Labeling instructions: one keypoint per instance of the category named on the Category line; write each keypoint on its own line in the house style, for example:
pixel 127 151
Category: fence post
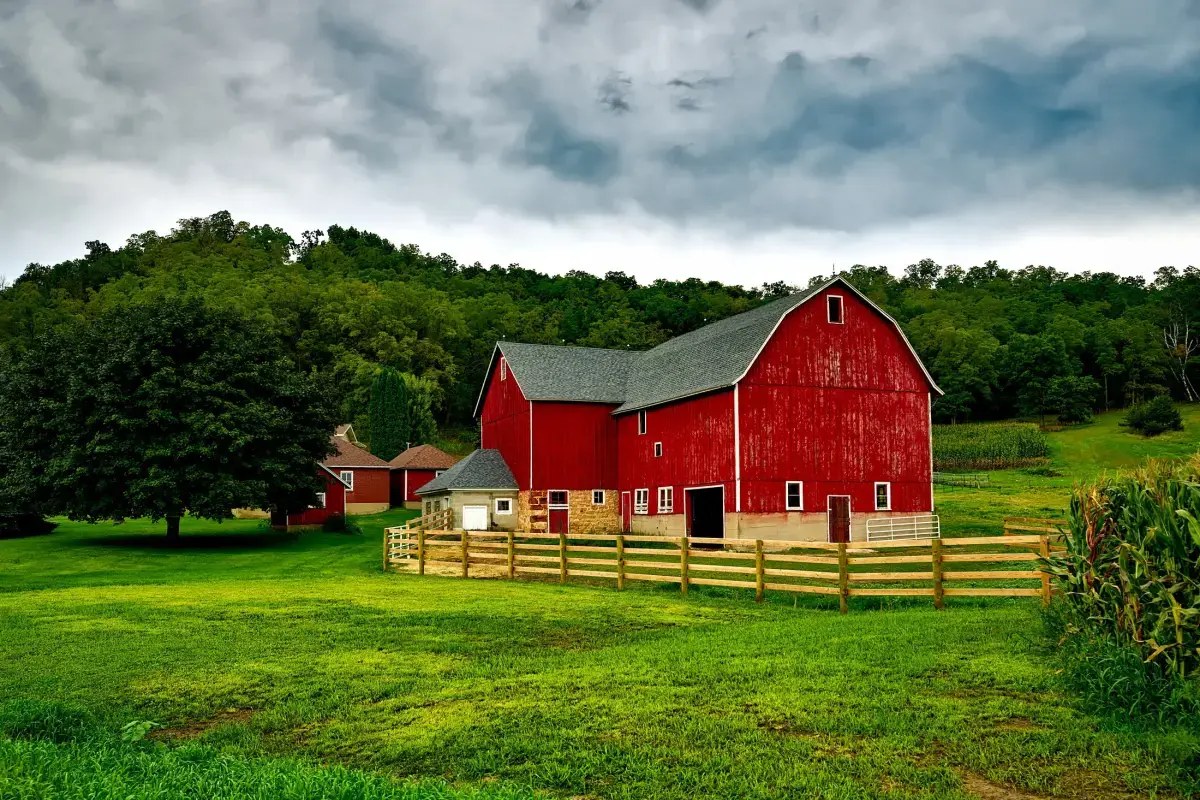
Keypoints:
pixel 421 551
pixel 1044 547
pixel 683 564
pixel 620 561
pixel 512 560
pixel 386 537
pixel 843 577
pixel 465 561
pixel 937 573
pixel 758 571
pixel 562 558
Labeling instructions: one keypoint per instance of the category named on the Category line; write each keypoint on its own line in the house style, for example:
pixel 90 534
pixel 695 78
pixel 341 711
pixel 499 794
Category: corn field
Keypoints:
pixel 1131 569
pixel 982 446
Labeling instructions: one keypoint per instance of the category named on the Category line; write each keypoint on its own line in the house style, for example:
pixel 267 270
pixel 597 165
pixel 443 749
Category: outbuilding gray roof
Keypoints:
pixel 707 359
pixel 482 469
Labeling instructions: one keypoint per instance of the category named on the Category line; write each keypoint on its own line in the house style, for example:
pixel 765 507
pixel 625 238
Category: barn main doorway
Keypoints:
pixel 706 512
pixel 839 517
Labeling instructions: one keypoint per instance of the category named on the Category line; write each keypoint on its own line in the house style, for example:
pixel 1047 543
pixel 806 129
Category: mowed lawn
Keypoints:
pixel 290 666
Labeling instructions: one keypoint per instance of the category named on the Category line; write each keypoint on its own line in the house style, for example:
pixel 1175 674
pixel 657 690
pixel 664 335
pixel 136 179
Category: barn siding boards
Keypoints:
pixel 372 489
pixel 506 424
pixel 574 446
pixel 335 503
pixel 697 449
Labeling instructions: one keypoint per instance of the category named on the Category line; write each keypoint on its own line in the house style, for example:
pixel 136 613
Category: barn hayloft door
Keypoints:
pixel 839 518
pixel 559 511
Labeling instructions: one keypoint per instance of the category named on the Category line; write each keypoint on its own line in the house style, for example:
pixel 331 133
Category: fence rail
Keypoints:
pixel 844 570
pixel 974 480
pixel 400 542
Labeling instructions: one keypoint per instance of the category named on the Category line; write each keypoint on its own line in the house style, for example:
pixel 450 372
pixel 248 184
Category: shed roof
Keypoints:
pixel 351 455
pixel 713 357
pixel 423 456
pixel 482 469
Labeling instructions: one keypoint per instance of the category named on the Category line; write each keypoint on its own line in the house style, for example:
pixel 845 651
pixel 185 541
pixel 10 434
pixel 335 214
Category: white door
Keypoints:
pixel 475 518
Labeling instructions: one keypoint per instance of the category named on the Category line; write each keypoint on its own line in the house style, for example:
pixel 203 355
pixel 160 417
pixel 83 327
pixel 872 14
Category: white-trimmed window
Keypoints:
pixel 503 370
pixel 836 311
pixel 558 497
pixel 641 501
pixel 320 500
pixel 794 495
pixel 347 477
pixel 666 499
pixel 658 449
pixel 503 505
pixel 438 472
pixel 641 423
pixel 883 496
pixel 597 497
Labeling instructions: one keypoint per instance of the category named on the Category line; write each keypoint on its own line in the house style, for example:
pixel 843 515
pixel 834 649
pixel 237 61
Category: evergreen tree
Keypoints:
pixel 391 428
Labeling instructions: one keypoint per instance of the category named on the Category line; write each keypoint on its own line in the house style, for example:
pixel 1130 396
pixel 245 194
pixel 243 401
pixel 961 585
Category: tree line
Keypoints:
pixel 345 304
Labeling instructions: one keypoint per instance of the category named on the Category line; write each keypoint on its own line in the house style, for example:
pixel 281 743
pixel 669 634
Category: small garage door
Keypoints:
pixel 475 518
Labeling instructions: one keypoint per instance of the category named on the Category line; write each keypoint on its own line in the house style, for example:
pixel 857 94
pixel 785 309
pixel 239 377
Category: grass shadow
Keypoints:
pixel 234 541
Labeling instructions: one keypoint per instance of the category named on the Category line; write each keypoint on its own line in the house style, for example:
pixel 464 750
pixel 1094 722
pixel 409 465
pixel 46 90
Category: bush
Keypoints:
pixel 1154 417
pixel 1073 398
pixel 1001 445
pixel 1130 587
pixel 14 526
pixel 340 523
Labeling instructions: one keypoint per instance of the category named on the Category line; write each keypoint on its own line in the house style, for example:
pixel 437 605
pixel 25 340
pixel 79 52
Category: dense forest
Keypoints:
pixel 345 303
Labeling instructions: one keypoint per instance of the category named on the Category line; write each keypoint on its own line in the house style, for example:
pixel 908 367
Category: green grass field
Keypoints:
pixel 290 666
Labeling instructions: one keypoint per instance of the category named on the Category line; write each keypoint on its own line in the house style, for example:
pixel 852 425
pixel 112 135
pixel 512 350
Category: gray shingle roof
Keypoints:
pixel 704 360
pixel 582 374
pixel 482 469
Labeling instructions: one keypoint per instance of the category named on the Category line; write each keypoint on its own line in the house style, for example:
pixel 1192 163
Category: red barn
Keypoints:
pixel 414 468
pixel 367 477
pixel 800 419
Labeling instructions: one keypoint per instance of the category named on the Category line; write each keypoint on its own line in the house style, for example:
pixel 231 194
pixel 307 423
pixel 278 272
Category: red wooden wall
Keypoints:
pixel 416 479
pixel 574 446
pixel 371 484
pixel 335 503
pixel 838 407
pixel 697 438
pixel 505 424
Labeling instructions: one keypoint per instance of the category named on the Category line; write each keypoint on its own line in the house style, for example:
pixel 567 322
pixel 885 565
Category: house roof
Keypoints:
pixel 351 455
pixel 706 359
pixel 423 456
pixel 482 469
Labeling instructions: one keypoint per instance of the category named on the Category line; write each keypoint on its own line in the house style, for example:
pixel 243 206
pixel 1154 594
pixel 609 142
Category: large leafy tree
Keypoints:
pixel 160 410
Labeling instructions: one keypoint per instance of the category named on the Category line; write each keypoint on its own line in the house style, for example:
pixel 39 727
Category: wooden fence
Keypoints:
pixel 830 569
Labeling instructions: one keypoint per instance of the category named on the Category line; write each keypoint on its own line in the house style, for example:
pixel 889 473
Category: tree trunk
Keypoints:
pixel 173 528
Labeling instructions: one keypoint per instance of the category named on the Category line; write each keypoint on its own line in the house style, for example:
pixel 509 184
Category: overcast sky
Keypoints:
pixel 743 140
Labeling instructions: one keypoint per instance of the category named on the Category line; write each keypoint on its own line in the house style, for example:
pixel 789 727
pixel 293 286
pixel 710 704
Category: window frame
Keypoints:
pixel 644 504
pixel 841 307
pixel 642 423
pixel 349 481
pixel 499 500
pixel 320 500
pixel 601 493
pixel 887 485
pixel 658 450
pixel 667 492
pixel 787 495
pixel 566 498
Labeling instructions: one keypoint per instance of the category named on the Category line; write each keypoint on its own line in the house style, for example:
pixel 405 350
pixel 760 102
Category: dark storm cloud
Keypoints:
pixel 762 113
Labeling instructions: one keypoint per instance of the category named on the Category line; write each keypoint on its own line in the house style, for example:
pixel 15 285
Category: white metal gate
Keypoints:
pixel 927 526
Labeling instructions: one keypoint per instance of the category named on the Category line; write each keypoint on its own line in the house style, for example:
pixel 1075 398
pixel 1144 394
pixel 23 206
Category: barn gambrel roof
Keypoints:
pixel 713 357
pixel 482 469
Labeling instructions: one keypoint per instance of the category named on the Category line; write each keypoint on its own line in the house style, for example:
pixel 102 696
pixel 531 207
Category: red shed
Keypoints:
pixel 331 501
pixel 414 468
pixel 800 419
pixel 367 477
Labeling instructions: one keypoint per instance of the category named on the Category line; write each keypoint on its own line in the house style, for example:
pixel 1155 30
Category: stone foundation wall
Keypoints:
pixel 533 512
